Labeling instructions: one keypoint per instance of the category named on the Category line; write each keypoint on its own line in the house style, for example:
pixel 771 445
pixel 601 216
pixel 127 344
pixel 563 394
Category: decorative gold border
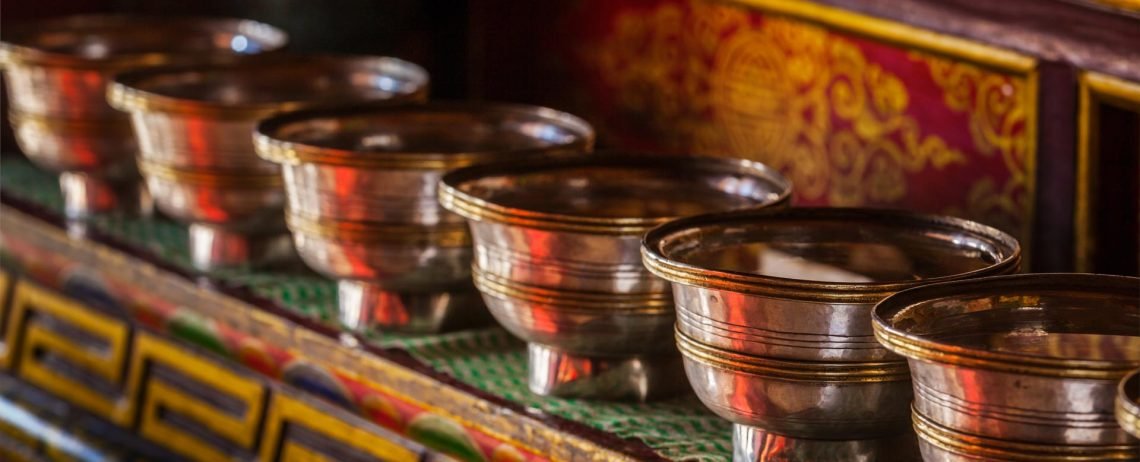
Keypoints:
pixel 1095 89
pixel 241 430
pixel 29 297
pixel 287 410
pixel 948 46
pixel 897 33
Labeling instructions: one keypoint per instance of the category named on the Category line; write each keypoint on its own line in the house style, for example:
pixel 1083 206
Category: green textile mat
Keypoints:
pixel 488 359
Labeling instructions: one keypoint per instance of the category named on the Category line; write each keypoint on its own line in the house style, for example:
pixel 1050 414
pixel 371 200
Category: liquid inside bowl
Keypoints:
pixel 1055 332
pixel 276 84
pixel 436 132
pixel 839 252
pixel 623 192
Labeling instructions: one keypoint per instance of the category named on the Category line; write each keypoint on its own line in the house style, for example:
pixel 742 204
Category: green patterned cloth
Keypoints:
pixel 489 359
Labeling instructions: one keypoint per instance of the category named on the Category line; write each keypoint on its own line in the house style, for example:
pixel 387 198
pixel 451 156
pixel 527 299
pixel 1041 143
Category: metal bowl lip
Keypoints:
pixel 478 209
pixel 1128 403
pixel 12 51
pixel 798 289
pixel 364 232
pixel 963 443
pixel 126 92
pixel 270 146
pixel 924 349
pixel 790 369
pixel 650 304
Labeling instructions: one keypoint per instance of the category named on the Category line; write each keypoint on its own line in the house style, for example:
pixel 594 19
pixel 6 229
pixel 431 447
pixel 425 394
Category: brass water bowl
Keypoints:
pixel 557 258
pixel 362 203
pixel 194 126
pixel 1030 359
pixel 57 71
pixel 799 284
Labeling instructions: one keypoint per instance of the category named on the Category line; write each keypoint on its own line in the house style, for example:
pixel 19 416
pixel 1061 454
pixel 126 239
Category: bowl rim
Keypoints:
pixel 13 51
pixel 125 91
pixel 918 347
pixel 477 209
pixel 273 148
pixel 680 272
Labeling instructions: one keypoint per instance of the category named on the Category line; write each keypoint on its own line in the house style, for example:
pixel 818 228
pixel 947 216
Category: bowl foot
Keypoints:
pixel 86 195
pixel 213 248
pixel 364 306
pixel 751 444
pixel 561 374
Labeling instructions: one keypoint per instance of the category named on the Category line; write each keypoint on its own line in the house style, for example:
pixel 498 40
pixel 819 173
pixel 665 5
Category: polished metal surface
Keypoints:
pixel 240 203
pixel 815 400
pixel 941 444
pixel 77 145
pixel 751 444
pixel 399 258
pixel 1128 403
pixel 57 71
pixel 364 306
pixel 552 372
pixel 556 248
pixel 1029 358
pixel 194 126
pixel 800 283
pixel 361 186
pixel 582 323
pixel 84 193
pixel 213 248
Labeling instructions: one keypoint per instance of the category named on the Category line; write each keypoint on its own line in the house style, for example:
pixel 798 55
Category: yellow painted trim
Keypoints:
pixel 287 410
pixel 1031 125
pixel 241 430
pixel 1094 89
pixel 5 311
pixel 897 33
pixel 28 298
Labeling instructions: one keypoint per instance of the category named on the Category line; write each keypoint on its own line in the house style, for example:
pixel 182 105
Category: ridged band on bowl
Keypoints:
pixel 924 349
pixel 756 337
pixel 807 371
pixel 12 52
pixel 361 232
pixel 478 209
pixel 228 179
pixel 274 149
pixel 126 94
pixel 653 303
pixel 1128 403
pixel 945 439
pixel 755 284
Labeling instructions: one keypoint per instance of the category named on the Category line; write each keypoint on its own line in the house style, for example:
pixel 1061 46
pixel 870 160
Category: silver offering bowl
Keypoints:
pixel 361 181
pixel 799 284
pixel 1128 403
pixel 1031 358
pixel 556 258
pixel 57 71
pixel 194 123
pixel 941 444
pixel 801 399
pixel 751 444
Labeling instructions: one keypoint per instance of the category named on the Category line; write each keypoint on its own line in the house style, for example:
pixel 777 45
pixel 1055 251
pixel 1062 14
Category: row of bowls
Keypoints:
pixel 768 310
